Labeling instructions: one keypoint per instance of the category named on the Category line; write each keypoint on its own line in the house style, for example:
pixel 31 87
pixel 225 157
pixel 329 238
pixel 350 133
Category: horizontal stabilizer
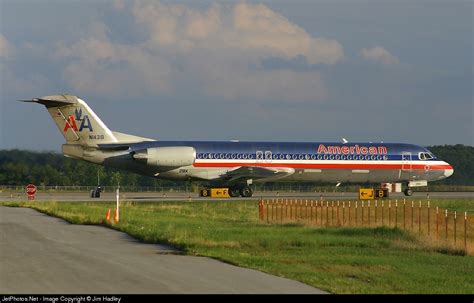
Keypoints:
pixel 54 101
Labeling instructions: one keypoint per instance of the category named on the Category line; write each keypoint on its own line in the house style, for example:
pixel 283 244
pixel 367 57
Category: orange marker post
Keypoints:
pixel 368 211
pixel 437 222
pixel 375 211
pixel 383 209
pixel 355 214
pixel 428 218
pixel 349 213
pixel 327 213
pixel 419 219
pixel 337 214
pixel 389 212
pixel 446 224
pixel 343 213
pixel 332 213
pixel 454 228
pixel 268 220
pixel 404 214
pixel 362 210
pixel 396 213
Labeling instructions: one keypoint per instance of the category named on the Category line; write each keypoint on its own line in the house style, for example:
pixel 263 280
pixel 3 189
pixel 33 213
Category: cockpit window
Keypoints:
pixel 425 156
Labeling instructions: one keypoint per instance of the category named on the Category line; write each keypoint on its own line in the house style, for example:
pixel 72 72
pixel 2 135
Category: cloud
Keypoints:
pixel 379 54
pixel 217 51
pixel 6 49
pixel 253 29
pixel 118 4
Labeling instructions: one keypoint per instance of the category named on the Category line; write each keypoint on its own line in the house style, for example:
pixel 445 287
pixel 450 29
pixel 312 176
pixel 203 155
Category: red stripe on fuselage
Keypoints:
pixel 326 165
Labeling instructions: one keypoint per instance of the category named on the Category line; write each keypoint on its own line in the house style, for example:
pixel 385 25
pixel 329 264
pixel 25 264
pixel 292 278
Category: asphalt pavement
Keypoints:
pixel 45 255
pixel 191 196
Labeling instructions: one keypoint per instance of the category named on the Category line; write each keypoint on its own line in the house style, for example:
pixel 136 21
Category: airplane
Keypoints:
pixel 237 165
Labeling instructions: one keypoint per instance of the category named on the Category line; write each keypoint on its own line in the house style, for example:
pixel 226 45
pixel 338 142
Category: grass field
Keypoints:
pixel 338 260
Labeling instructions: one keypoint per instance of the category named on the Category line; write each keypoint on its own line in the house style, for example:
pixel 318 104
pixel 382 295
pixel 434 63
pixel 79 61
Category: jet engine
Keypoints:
pixel 170 156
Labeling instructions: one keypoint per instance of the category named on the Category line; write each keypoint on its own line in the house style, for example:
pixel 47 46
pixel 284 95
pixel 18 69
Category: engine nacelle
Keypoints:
pixel 171 156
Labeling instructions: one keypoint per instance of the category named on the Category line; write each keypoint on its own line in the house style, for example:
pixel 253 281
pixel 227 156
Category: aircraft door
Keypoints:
pixel 406 161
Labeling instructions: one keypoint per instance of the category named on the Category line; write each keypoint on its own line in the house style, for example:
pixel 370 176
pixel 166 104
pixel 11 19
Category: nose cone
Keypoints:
pixel 448 171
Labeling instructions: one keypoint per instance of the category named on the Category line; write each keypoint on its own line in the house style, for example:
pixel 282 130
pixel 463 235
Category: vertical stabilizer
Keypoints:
pixel 76 121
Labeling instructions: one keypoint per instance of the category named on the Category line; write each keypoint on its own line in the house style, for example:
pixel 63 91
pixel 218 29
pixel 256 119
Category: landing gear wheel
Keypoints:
pixel 408 192
pixel 246 192
pixel 234 192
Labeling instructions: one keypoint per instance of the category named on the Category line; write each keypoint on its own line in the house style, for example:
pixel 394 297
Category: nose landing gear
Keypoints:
pixel 408 192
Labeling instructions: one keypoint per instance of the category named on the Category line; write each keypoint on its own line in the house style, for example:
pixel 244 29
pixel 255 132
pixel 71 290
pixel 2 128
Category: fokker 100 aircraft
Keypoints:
pixel 235 164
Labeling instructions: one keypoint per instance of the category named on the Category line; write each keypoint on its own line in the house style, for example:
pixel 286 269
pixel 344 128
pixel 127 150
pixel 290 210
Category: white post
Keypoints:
pixel 117 213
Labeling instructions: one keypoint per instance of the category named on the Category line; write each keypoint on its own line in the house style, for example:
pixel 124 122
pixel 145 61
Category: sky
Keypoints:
pixel 364 70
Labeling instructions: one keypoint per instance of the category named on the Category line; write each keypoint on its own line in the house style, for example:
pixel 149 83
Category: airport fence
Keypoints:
pixel 441 226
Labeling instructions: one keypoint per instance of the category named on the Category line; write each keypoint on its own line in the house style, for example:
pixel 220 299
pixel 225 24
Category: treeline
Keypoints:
pixel 19 167
pixel 461 157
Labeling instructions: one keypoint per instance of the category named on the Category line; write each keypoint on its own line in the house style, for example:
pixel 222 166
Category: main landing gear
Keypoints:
pixel 244 191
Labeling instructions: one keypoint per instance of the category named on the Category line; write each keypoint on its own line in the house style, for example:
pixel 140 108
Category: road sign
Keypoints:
pixel 205 192
pixel 30 191
pixel 366 193
pixel 220 193
pixel 381 193
pixel 215 193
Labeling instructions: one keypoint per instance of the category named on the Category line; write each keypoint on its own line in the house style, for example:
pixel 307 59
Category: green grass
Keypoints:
pixel 338 260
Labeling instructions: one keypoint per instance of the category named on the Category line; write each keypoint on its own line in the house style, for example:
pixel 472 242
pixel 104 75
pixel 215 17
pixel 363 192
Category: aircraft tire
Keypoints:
pixel 408 192
pixel 246 192
pixel 234 192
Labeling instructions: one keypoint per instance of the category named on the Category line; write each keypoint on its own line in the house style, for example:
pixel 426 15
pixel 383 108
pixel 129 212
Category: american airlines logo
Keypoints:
pixel 352 150
pixel 71 121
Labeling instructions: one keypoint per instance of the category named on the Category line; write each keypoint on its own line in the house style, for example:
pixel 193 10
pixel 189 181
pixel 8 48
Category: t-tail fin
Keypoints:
pixel 78 123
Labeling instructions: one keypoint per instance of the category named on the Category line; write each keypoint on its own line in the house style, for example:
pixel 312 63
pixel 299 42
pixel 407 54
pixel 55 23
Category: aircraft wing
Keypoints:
pixel 257 172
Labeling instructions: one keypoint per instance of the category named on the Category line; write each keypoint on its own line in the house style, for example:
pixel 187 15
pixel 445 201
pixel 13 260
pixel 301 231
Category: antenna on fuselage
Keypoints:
pixel 344 141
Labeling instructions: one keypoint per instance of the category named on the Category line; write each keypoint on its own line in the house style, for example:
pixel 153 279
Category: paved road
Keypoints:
pixel 42 254
pixel 182 196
